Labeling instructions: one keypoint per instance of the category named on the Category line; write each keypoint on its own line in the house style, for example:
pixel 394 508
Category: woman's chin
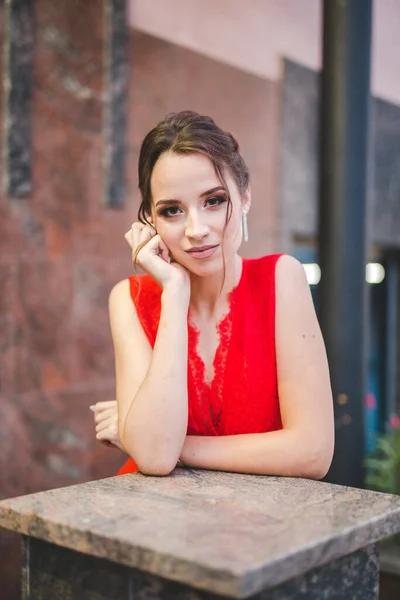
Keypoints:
pixel 203 268
pixel 207 270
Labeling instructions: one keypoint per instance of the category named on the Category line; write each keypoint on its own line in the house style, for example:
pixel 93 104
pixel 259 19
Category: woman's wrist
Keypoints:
pixel 175 296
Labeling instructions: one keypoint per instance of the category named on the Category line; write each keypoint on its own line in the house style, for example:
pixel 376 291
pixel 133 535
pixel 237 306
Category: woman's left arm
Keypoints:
pixel 304 447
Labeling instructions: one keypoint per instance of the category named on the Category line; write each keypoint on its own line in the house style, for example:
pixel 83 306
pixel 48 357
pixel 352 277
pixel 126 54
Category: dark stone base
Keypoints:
pixel 51 572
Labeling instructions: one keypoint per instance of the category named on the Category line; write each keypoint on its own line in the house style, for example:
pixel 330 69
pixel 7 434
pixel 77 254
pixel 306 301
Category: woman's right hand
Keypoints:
pixel 154 257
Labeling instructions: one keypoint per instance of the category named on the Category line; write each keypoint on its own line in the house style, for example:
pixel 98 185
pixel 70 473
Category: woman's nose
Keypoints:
pixel 196 228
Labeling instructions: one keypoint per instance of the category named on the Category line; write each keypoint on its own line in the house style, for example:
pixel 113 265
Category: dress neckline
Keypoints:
pixel 224 329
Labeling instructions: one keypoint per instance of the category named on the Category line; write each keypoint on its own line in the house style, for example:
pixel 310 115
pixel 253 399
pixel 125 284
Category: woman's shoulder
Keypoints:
pixel 281 276
pixel 134 288
pixel 261 266
pixel 133 300
pixel 144 283
pixel 286 262
pixel 274 271
pixel 291 277
pixel 119 293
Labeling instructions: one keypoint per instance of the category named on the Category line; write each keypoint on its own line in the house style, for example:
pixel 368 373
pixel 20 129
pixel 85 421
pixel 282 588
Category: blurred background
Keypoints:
pixel 82 83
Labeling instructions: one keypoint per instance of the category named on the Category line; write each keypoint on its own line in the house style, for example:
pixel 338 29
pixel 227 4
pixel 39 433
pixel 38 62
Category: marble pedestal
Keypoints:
pixel 199 535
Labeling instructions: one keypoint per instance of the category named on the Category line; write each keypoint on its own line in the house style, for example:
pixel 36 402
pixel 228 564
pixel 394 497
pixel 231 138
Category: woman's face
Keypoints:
pixel 189 207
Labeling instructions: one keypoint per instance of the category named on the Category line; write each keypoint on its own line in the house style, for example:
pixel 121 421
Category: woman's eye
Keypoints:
pixel 216 200
pixel 171 211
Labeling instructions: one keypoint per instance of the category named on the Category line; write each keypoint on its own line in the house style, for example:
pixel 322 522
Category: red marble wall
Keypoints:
pixel 61 251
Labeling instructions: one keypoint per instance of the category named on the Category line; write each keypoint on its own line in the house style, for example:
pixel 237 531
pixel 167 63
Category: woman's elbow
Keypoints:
pixel 318 463
pixel 155 463
pixel 156 468
pixel 147 461
pixel 317 470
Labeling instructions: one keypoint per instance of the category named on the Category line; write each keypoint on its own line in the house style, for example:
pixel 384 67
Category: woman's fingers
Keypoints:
pixel 146 234
pixel 139 234
pixel 109 421
pixel 136 231
pixel 103 435
pixel 128 237
pixel 157 247
pixel 104 415
pixel 164 251
pixel 102 426
pixel 101 406
pixel 108 426
pixel 106 419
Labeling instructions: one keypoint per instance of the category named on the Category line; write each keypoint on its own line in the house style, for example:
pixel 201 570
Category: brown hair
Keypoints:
pixel 188 132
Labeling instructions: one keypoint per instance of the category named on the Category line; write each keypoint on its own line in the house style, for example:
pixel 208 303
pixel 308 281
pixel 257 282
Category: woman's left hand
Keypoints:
pixel 106 419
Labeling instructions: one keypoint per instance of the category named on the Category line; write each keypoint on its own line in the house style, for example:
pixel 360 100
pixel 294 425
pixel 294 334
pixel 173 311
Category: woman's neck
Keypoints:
pixel 207 300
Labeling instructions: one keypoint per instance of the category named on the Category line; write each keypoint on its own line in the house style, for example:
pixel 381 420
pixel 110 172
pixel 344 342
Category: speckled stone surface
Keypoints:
pixel 225 533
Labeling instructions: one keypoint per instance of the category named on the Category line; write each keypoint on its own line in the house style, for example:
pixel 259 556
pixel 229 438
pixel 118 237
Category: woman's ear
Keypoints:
pixel 150 220
pixel 247 199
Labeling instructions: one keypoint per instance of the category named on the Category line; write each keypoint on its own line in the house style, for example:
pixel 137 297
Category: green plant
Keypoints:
pixel 383 464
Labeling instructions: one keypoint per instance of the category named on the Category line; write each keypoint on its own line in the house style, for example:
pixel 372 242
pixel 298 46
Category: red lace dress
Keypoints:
pixel 243 396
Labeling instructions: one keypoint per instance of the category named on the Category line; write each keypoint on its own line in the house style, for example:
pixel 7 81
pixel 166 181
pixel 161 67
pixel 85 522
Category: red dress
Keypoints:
pixel 243 396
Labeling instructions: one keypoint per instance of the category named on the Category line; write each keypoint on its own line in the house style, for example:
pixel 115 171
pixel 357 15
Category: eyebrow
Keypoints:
pixel 174 201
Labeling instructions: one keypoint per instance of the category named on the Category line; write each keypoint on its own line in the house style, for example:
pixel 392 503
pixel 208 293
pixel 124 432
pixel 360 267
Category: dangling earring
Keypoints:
pixel 245 227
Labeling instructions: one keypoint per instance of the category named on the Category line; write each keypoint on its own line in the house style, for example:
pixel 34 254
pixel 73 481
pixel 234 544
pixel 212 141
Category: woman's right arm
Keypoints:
pixel 151 384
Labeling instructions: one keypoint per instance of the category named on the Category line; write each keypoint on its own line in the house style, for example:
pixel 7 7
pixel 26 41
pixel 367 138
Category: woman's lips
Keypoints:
pixel 199 254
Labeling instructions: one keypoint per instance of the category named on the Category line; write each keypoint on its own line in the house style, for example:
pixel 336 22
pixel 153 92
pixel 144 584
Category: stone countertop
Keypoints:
pixel 227 533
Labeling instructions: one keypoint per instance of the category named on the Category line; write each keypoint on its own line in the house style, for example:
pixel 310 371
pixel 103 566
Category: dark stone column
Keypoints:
pixel 116 100
pixel 51 572
pixel 17 90
pixel 343 178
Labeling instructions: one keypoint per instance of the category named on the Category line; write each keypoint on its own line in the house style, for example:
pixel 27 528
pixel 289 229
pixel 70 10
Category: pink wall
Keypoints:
pixel 254 35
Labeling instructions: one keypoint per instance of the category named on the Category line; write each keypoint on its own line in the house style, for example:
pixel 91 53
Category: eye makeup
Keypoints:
pixel 170 211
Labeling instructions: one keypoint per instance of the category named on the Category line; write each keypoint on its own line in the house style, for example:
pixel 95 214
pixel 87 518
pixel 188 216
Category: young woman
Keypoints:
pixel 220 363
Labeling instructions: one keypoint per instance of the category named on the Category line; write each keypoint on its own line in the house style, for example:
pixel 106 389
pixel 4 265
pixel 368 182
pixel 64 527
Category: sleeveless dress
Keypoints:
pixel 243 395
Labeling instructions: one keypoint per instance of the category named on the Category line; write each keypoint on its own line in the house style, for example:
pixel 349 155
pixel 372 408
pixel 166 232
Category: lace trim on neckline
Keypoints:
pixel 212 392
